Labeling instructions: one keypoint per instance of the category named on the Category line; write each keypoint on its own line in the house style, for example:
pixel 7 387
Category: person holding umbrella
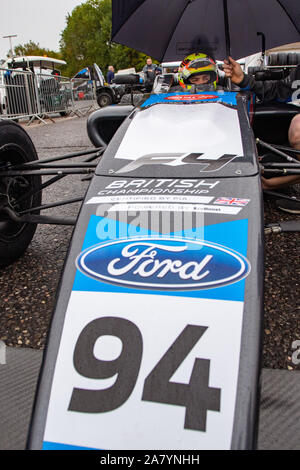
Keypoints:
pixel 280 90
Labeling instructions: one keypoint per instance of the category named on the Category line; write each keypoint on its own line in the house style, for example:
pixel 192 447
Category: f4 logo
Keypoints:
pixel 177 159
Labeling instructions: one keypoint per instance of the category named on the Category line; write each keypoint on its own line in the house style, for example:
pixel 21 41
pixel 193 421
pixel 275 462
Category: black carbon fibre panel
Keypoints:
pixel 279 424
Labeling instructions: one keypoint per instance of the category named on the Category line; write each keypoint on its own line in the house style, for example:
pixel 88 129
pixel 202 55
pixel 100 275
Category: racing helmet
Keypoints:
pixel 198 64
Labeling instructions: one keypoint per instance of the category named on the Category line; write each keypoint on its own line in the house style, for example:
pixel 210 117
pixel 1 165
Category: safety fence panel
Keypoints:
pixel 54 94
pixel 26 94
pixel 18 94
pixel 83 95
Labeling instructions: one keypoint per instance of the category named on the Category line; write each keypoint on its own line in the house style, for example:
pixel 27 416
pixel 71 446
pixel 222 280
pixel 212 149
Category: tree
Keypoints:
pixel 86 40
pixel 81 43
pixel 32 48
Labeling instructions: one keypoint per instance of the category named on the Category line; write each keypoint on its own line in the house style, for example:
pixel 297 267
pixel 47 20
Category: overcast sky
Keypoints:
pixel 41 21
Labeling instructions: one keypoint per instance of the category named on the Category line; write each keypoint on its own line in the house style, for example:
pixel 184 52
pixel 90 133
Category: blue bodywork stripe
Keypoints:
pixel 57 446
pixel 225 97
pixel 233 235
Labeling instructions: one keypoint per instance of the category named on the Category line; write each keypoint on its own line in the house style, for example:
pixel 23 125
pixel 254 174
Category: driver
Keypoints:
pixel 199 70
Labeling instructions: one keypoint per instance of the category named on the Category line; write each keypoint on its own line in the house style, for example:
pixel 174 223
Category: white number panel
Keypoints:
pixel 158 372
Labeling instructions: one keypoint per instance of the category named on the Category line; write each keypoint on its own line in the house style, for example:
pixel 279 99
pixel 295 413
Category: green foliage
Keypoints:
pixel 32 48
pixel 81 42
pixel 86 39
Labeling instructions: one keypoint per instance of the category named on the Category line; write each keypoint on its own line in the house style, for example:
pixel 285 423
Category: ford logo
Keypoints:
pixel 163 264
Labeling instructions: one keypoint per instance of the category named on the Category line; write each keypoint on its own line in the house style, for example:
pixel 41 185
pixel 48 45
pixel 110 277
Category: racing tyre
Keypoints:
pixel 104 99
pixel 282 58
pixel 272 60
pixel 253 70
pixel 138 98
pixel 16 148
pixel 292 58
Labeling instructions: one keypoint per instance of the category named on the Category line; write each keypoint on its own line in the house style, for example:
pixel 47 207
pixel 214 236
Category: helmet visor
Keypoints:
pixel 201 78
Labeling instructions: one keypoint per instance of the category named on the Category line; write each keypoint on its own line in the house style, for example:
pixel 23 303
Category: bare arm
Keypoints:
pixel 234 71
pixel 280 90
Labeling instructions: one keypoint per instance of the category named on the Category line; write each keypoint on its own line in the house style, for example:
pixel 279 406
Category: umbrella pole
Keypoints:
pixel 227 36
pixel 227 33
pixel 263 47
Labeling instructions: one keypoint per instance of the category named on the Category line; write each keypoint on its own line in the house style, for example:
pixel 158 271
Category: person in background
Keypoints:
pixel 110 74
pixel 150 71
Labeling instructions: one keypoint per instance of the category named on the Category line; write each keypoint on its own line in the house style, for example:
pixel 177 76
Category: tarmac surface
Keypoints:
pixel 28 287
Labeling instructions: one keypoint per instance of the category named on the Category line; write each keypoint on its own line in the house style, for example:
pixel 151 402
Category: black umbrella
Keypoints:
pixel 171 29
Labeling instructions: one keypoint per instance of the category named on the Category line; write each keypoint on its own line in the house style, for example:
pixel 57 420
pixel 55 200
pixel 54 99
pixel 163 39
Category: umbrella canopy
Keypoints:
pixel 172 29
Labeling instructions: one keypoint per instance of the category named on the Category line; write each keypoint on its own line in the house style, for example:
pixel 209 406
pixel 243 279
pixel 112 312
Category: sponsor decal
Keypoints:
pixel 231 201
pixel 219 96
pixel 163 263
pixel 204 164
pixel 163 187
pixel 184 208
pixel 149 199
pixel 191 97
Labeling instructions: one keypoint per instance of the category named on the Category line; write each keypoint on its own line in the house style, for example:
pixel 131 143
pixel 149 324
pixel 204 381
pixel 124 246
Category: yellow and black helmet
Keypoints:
pixel 197 64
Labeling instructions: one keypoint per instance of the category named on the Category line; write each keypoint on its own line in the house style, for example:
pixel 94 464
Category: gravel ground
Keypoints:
pixel 282 284
pixel 28 287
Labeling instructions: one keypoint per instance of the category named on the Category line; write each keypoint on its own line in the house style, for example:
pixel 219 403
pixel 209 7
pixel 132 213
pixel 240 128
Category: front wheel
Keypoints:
pixel 16 148
pixel 104 99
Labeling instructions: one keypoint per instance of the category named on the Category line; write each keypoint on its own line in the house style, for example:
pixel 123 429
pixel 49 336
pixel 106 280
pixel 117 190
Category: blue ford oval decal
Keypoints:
pixel 163 264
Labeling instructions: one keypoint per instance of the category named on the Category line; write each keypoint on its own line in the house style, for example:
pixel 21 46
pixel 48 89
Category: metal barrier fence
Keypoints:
pixel 84 96
pixel 28 95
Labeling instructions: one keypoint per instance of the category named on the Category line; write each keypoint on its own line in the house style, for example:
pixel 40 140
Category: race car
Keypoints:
pixel 156 336
pixel 105 94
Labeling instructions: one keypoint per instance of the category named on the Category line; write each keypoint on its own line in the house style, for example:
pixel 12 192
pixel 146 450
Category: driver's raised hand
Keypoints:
pixel 233 70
